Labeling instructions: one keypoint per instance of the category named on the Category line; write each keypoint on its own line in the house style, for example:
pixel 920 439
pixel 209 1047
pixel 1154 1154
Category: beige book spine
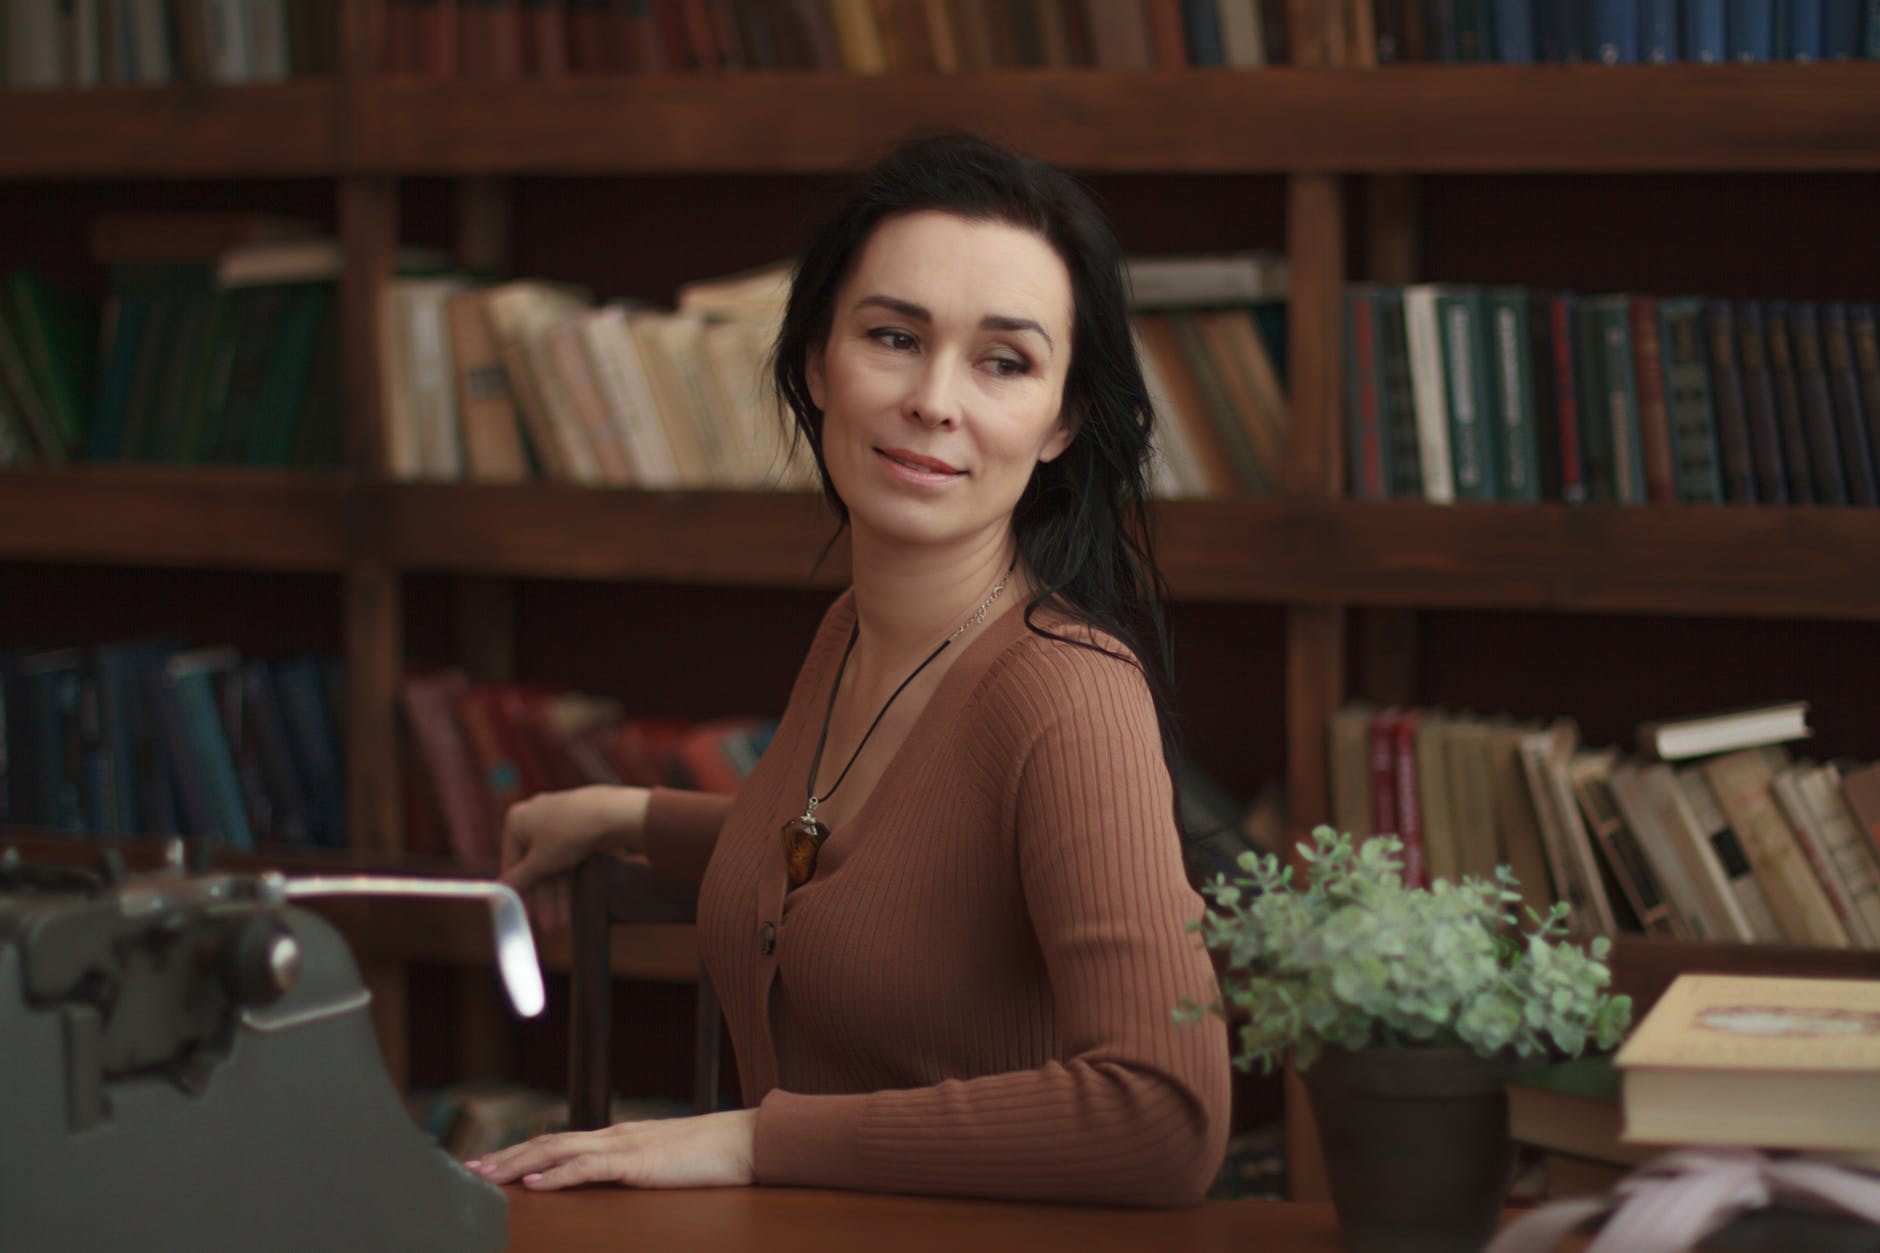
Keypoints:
pixel 1661 848
pixel 576 385
pixel 404 455
pixel 615 361
pixel 1517 826
pixel 1742 784
pixel 1436 805
pixel 1697 798
pixel 492 438
pixel 578 455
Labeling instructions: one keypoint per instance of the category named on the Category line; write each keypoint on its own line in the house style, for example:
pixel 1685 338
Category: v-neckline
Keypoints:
pixel 971 662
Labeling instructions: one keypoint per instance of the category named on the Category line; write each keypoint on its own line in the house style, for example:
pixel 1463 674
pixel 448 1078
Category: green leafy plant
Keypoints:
pixel 1356 958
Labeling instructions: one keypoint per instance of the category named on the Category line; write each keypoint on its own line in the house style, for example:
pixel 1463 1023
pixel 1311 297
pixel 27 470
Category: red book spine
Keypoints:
pixel 1383 727
pixel 1654 420
pixel 1371 483
pixel 1566 403
pixel 545 38
pixel 1409 806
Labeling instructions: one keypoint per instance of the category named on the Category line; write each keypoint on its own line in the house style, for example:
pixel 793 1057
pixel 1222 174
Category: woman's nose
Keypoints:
pixel 933 398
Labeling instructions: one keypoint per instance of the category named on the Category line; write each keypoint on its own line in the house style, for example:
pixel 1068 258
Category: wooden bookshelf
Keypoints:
pixel 274 130
pixel 1326 561
pixel 210 518
pixel 1411 118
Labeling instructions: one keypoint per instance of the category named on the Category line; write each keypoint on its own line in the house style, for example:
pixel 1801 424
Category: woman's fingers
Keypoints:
pixel 594 1167
pixel 531 1156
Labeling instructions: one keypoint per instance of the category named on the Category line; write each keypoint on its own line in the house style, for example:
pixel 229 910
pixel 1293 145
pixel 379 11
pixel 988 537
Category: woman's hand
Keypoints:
pixel 708 1151
pixel 546 836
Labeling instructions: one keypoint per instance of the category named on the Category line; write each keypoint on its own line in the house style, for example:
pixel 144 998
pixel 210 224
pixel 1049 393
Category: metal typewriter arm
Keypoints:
pixel 515 946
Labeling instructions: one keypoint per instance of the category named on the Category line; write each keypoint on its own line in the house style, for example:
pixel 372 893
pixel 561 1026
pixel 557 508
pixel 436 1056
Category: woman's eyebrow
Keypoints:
pixel 919 313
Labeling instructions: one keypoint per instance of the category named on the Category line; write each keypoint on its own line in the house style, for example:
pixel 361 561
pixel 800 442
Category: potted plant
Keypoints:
pixel 1404 1008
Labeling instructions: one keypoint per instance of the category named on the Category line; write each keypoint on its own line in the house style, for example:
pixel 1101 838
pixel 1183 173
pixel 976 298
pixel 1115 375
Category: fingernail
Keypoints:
pixel 535 1178
pixel 473 1165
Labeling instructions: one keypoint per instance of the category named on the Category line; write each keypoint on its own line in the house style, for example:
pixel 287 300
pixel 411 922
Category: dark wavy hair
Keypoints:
pixel 1082 524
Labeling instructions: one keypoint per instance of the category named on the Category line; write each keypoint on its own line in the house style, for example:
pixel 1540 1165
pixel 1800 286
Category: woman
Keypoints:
pixel 946 914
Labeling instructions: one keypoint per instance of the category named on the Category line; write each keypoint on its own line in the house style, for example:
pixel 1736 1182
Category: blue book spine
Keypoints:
pixel 1514 32
pixel 208 744
pixel 1703 31
pixel 1615 31
pixel 1659 31
pixel 1751 30
pixel 1850 417
pixel 1557 32
pixel 1804 30
pixel 1201 20
pixel 1440 40
pixel 1840 29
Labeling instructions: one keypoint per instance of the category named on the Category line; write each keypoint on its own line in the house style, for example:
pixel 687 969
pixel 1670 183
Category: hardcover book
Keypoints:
pixel 1766 1062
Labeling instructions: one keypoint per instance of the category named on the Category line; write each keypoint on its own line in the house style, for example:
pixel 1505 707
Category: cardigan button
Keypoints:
pixel 767 939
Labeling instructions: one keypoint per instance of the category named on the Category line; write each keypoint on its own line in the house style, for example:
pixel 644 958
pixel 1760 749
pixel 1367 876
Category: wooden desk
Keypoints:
pixel 791 1220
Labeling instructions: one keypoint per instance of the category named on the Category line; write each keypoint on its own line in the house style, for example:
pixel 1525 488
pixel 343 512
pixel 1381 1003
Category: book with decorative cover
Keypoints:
pixel 1760 1061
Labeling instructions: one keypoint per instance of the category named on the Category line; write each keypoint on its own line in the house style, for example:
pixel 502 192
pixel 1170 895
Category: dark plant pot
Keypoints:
pixel 1416 1144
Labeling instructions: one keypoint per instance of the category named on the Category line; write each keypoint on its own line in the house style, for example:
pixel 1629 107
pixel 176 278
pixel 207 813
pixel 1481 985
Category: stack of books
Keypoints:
pixel 1623 32
pixel 1713 830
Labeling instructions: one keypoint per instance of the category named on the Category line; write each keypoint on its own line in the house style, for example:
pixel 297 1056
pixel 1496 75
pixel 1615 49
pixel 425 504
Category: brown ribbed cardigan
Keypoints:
pixel 972 996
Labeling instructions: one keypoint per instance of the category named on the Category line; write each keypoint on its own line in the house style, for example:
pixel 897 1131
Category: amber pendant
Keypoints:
pixel 803 838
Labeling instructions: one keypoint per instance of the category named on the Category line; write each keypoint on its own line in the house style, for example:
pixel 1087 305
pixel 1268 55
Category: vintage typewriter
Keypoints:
pixel 187 1063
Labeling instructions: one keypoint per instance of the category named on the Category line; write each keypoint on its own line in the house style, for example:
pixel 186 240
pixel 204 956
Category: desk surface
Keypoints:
pixel 791 1220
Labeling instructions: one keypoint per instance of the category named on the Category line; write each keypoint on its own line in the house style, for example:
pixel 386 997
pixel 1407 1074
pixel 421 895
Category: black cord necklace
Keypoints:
pixel 803 836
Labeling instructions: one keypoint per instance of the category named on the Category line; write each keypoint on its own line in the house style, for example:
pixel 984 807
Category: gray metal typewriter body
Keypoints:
pixel 187 1062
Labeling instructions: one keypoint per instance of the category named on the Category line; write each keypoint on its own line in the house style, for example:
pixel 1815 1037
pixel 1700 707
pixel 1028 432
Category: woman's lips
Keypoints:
pixel 916 468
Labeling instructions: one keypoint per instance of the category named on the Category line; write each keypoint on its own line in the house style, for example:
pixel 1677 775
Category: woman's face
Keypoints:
pixel 942 381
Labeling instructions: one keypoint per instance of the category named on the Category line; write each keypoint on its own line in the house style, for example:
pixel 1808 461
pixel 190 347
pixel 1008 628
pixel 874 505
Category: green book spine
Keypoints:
pixel 1614 318
pixel 262 311
pixel 1589 386
pixel 1403 468
pixel 321 437
pixel 1466 371
pixel 1518 453
pixel 26 400
pixel 284 385
pixel 57 332
pixel 1697 469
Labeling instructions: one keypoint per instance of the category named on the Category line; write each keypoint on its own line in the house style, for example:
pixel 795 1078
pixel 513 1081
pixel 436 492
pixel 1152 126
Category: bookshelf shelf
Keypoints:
pixel 1401 119
pixel 208 518
pixel 1740 562
pixel 263 130
pixel 1404 119
pixel 546 530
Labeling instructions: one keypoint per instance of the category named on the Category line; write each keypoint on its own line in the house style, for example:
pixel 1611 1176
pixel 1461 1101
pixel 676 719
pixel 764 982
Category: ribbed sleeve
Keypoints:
pixel 682 829
pixel 975 997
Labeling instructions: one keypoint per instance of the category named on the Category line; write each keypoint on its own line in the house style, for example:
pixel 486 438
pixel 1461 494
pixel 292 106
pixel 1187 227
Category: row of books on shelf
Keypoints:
pixel 527 379
pixel 1736 840
pixel 1624 32
pixel 474 749
pixel 157 736
pixel 217 343
pixel 106 43
pixel 1466 393
pixel 524 379
pixel 501 38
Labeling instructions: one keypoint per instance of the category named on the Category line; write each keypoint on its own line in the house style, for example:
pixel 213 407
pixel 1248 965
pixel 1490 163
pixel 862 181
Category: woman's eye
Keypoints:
pixel 900 341
pixel 1009 367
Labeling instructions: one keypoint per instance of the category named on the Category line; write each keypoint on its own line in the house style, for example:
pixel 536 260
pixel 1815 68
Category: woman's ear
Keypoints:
pixel 813 376
pixel 1060 437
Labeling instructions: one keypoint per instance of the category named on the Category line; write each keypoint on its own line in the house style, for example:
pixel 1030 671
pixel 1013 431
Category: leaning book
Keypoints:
pixel 1678 739
pixel 1764 1062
